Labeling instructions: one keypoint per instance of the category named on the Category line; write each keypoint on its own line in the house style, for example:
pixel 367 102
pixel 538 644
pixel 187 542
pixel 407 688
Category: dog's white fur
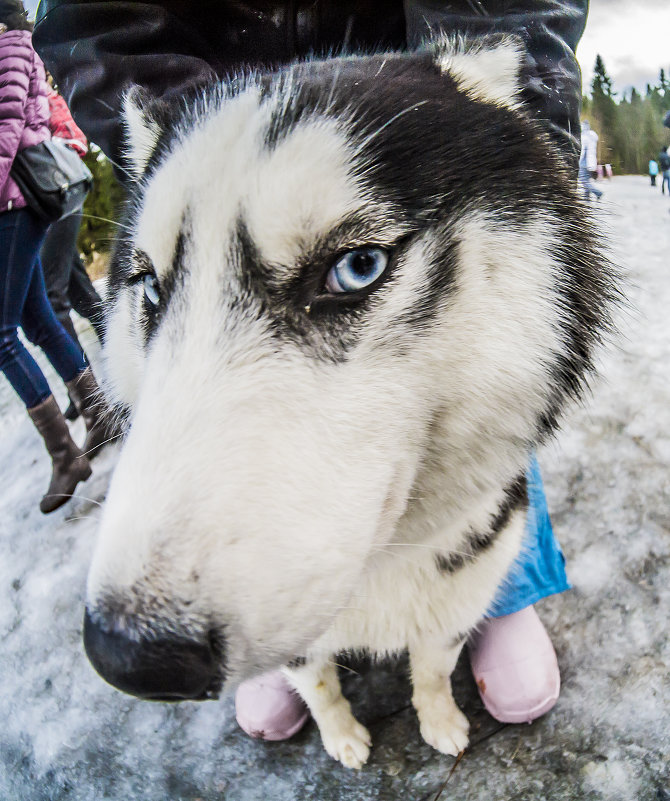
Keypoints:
pixel 299 502
pixel 484 72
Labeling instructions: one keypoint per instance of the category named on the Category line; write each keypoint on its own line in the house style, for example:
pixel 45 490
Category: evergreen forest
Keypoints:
pixel 630 127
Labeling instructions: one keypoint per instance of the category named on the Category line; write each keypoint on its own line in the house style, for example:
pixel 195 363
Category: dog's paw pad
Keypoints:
pixel 350 745
pixel 445 728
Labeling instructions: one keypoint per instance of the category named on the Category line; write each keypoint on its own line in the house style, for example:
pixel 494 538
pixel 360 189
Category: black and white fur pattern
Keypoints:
pixel 308 472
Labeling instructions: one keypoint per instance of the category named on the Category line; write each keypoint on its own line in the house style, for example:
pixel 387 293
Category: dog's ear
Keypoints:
pixel 486 68
pixel 142 128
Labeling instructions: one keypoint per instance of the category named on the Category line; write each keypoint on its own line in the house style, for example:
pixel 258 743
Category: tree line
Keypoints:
pixel 630 127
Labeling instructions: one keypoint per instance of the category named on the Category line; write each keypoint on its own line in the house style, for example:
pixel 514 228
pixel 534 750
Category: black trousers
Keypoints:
pixel 67 282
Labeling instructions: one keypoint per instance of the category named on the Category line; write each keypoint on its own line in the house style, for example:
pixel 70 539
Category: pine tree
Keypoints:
pixel 662 81
pixel 601 83
pixel 603 109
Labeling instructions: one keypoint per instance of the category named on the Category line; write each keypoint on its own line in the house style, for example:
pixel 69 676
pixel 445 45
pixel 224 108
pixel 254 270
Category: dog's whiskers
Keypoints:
pixel 104 442
pixel 126 172
pixel 435 548
pixel 84 498
pixel 126 228
pixel 365 142
pixel 344 667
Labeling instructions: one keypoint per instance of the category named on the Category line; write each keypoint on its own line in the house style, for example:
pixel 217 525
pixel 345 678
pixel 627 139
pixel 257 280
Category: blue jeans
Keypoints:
pixel 587 184
pixel 24 302
pixel 539 570
pixel 666 180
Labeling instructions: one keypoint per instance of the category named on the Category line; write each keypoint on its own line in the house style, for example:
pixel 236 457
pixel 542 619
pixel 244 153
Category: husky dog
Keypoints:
pixel 349 299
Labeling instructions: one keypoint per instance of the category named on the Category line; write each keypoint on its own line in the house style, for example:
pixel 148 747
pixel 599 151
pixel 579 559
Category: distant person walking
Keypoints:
pixel 664 163
pixel 588 161
pixel 24 116
pixel 653 171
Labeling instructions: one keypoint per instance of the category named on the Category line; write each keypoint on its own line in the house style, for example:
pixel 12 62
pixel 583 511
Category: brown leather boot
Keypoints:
pixel 70 466
pixel 90 402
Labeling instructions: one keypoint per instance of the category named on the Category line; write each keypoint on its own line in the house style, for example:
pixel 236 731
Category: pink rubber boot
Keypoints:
pixel 515 667
pixel 267 708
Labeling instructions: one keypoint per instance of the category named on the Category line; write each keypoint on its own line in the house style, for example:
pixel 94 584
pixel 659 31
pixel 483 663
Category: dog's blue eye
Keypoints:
pixel 151 292
pixel 356 270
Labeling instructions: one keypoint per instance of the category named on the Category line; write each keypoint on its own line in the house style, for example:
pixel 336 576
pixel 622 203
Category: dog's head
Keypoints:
pixel 335 282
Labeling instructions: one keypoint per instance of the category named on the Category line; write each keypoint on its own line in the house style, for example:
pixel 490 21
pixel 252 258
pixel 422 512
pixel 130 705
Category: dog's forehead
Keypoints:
pixel 287 193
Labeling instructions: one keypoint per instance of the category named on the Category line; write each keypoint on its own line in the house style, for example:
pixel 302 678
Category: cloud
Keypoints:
pixel 610 6
pixel 632 43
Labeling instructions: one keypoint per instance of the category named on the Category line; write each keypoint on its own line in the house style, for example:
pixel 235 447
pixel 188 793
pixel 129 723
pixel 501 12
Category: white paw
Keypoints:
pixel 344 738
pixel 444 726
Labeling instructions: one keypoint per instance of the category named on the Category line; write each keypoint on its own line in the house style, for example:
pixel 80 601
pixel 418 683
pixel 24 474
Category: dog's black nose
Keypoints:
pixel 168 668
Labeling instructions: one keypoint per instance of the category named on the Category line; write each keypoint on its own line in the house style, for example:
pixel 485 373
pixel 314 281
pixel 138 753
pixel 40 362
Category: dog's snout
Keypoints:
pixel 166 668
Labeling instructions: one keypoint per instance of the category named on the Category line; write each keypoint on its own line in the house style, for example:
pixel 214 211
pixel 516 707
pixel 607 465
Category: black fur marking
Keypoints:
pixel 588 287
pixel 283 306
pixel 516 497
pixel 297 662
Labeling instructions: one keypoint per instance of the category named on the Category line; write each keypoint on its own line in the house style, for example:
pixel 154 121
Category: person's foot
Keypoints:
pixel 267 708
pixel 515 667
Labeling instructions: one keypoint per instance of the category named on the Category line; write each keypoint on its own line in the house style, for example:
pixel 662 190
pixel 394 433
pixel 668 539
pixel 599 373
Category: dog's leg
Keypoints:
pixel 344 738
pixel 443 725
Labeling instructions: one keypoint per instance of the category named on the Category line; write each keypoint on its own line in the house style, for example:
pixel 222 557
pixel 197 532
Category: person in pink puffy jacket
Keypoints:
pixel 24 116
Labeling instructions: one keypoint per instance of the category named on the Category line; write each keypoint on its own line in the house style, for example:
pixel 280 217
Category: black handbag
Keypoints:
pixel 52 178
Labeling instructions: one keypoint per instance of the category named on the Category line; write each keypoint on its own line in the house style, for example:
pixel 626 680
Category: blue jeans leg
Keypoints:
pixel 23 302
pixel 539 570
pixel 587 183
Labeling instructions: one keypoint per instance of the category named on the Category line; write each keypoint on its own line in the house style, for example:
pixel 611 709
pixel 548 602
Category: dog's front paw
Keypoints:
pixel 344 738
pixel 444 726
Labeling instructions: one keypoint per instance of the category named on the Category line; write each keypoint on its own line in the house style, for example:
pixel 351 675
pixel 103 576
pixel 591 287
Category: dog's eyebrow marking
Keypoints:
pixel 516 497
pixel 144 263
pixel 256 272
pixel 141 263
pixel 179 250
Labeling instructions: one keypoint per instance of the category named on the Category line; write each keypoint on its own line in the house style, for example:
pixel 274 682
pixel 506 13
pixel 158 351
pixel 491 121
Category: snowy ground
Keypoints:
pixel 67 735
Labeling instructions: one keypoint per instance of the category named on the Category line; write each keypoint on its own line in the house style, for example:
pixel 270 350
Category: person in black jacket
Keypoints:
pixel 664 164
pixel 96 50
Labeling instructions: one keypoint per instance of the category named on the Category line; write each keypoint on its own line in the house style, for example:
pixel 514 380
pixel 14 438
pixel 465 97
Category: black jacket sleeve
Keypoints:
pixel 550 29
pixel 96 48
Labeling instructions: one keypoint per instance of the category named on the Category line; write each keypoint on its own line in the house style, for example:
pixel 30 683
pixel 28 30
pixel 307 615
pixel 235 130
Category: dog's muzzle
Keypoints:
pixel 168 668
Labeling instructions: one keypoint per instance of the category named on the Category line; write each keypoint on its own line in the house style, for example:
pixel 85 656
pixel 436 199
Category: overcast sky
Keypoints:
pixel 632 36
